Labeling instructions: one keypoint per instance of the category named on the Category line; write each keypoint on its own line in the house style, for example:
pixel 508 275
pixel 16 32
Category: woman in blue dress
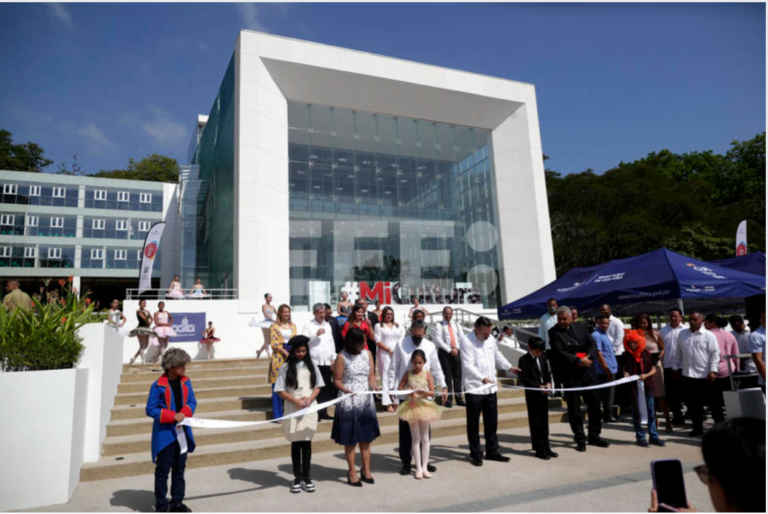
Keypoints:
pixel 355 422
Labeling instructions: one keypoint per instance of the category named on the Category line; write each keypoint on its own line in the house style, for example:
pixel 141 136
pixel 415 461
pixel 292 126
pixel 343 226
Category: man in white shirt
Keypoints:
pixel 757 349
pixel 401 363
pixel 699 356
pixel 547 321
pixel 673 384
pixel 615 330
pixel 480 358
pixel 322 350
pixel 742 333
pixel 448 334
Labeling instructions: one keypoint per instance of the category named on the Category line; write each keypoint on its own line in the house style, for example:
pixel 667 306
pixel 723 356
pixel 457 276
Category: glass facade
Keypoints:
pixel 30 193
pixel 123 199
pixel 399 204
pixel 116 228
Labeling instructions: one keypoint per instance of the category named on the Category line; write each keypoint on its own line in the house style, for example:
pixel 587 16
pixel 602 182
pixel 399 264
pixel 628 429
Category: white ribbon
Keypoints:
pixel 626 380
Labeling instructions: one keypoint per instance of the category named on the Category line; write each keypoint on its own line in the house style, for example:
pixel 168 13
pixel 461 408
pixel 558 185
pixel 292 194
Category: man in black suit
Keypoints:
pixel 534 373
pixel 574 350
pixel 338 341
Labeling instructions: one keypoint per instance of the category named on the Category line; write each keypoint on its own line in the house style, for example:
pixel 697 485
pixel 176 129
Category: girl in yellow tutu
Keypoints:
pixel 419 410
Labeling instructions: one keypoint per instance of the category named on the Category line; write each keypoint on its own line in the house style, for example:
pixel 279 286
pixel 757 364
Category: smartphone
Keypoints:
pixel 668 482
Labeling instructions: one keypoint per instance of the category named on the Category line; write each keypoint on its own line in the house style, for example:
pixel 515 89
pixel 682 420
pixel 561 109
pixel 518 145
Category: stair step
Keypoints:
pixel 202 394
pixel 276 447
pixel 149 375
pixel 218 363
pixel 199 383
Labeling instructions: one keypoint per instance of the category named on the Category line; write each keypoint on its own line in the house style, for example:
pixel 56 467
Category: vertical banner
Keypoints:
pixel 741 239
pixel 151 247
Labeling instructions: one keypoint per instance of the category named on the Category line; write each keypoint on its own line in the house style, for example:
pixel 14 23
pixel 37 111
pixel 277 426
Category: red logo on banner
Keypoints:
pixel 382 291
pixel 741 249
pixel 151 250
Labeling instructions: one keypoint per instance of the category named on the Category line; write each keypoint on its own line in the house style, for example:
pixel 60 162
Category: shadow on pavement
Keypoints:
pixel 137 501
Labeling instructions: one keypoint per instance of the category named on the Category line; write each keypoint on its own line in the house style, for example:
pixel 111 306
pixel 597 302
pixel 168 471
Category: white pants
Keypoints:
pixel 384 360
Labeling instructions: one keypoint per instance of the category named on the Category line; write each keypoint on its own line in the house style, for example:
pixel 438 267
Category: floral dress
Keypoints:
pixel 277 341
pixel 355 418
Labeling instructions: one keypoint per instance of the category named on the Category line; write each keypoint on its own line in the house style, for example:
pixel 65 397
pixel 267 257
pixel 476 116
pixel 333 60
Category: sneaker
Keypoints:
pixel 308 486
pixel 180 508
pixel 599 441
pixel 643 443
pixel 163 508
pixel 296 486
pixel 658 442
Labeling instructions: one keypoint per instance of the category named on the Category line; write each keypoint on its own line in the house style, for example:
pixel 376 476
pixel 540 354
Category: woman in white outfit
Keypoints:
pixel 270 313
pixel 163 329
pixel 387 334
pixel 198 291
pixel 174 290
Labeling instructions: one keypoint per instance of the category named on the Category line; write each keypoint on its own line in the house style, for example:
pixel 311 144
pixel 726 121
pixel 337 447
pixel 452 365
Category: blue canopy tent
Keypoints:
pixel 652 282
pixel 751 263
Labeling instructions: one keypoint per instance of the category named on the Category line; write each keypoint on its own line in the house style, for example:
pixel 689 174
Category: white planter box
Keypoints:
pixel 42 434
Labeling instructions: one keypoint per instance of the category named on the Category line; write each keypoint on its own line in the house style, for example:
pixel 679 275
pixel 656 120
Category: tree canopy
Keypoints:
pixel 155 168
pixel 21 157
pixel 689 203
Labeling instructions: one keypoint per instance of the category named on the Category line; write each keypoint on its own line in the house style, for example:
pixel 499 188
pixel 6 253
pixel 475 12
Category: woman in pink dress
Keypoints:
pixel 174 290
pixel 163 328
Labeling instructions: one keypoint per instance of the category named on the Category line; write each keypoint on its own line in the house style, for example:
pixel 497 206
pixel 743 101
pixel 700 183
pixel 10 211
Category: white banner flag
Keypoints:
pixel 151 247
pixel 741 239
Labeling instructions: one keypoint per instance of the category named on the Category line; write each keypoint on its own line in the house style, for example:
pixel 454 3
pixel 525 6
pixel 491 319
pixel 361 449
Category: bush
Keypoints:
pixel 46 337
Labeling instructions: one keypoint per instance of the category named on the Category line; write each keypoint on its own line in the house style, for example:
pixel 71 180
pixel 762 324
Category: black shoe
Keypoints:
pixel 163 508
pixel 552 454
pixel 497 457
pixel 354 484
pixel 599 442
pixel 366 480
pixel 307 485
pixel 475 462
pixel 460 402
pixel 543 456
pixel 643 443
pixel 180 508
pixel 695 433
pixel 406 470
pixel 581 447
pixel 431 468
pixel 296 486
pixel 448 405
pixel 658 442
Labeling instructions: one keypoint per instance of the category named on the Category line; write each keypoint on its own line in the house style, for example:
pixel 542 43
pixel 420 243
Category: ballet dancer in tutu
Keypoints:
pixel 163 329
pixel 419 410
pixel 209 339
pixel 174 291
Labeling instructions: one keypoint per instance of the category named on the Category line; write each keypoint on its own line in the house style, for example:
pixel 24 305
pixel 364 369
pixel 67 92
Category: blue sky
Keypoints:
pixel 614 81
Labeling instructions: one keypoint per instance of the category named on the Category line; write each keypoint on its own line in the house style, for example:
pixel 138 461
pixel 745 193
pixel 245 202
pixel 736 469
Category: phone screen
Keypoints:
pixel 668 482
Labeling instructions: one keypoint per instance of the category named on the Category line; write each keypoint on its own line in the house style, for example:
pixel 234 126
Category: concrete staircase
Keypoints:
pixel 237 389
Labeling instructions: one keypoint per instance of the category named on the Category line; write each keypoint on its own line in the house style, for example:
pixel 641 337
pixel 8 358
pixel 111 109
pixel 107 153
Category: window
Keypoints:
pixel 34 190
pixel 98 224
pixel 122 225
pixel 57 222
pixel 145 198
pixel 144 226
pixel 123 196
pixel 59 192
pixel 97 254
pixel 32 221
pixel 121 255
pixel 10 189
pixel 138 255
pixel 5 251
pixel 100 194
pixel 54 253
pixel 7 219
pixel 30 252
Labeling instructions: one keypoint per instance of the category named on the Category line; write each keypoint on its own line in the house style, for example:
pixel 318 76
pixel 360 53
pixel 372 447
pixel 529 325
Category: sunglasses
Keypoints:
pixel 703 473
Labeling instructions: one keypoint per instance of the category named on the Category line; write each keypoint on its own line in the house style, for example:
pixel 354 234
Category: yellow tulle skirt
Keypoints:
pixel 419 409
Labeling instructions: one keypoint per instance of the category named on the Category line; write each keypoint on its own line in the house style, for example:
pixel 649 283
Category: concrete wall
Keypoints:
pixel 42 434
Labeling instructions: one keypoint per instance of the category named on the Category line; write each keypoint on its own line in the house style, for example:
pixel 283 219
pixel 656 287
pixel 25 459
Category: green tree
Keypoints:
pixel 155 168
pixel 22 157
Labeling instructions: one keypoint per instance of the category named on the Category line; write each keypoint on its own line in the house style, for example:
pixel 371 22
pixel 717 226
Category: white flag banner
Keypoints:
pixel 148 254
pixel 741 239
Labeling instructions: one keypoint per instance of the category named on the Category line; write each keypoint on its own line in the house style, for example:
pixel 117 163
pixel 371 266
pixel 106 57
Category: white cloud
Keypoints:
pixel 162 129
pixel 95 139
pixel 251 17
pixel 61 14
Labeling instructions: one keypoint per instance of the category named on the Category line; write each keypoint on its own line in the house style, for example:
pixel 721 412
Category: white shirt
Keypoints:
pixel 322 349
pixel 670 335
pixel 389 337
pixel 546 322
pixel 743 341
pixel 401 361
pixel 616 335
pixel 479 360
pixel 697 352
pixel 757 345
pixel 443 336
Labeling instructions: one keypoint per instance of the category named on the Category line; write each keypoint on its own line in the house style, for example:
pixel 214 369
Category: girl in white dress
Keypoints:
pixel 163 329
pixel 387 334
pixel 270 313
pixel 116 319
pixel 174 290
pixel 198 291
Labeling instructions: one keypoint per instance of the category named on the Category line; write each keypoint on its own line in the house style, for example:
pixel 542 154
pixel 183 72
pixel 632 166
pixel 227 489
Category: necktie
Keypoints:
pixel 453 336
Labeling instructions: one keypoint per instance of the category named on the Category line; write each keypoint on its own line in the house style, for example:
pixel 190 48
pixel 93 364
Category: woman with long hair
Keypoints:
pixel 655 346
pixel 143 331
pixel 279 334
pixel 388 333
pixel 358 319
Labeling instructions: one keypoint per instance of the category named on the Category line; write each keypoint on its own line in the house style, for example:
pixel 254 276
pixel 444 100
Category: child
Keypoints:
pixel 637 361
pixel 419 412
pixel 209 339
pixel 534 372
pixel 298 383
pixel 171 399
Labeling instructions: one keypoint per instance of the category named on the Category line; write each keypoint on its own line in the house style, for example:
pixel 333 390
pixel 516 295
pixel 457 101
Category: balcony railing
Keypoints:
pixel 162 294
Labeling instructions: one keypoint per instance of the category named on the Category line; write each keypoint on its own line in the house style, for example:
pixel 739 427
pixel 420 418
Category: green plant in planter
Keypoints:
pixel 45 338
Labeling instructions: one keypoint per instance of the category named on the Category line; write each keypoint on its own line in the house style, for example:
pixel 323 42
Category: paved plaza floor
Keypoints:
pixel 600 480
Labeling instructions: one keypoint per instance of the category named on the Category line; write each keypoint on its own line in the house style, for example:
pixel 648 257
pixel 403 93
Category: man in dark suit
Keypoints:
pixel 574 351
pixel 534 373
pixel 335 328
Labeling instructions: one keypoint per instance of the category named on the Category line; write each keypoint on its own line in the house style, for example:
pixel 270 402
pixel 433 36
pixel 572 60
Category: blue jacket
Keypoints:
pixel 161 406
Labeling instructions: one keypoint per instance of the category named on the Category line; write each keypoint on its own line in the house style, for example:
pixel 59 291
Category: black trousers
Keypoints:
pixel 556 382
pixel 328 392
pixel 538 420
pixel 451 366
pixel 301 456
pixel 674 392
pixel 405 441
pixel 716 399
pixel 170 458
pixel 374 350
pixel 573 399
pixel 696 393
pixel 485 404
pixel 606 397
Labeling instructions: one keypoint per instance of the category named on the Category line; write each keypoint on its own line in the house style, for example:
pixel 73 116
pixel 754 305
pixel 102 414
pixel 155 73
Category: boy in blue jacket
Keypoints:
pixel 171 399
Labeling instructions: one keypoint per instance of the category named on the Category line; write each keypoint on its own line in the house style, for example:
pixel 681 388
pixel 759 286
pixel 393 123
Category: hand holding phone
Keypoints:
pixel 669 484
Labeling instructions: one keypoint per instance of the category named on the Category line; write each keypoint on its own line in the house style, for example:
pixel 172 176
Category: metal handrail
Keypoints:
pixel 161 294
pixel 730 371
pixel 463 314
